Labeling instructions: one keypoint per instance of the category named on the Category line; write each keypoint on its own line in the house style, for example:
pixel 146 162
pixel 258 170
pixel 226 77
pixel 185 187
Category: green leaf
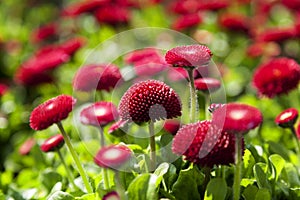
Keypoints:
pixel 49 178
pixel 161 170
pixel 263 194
pixel 277 148
pixel 59 195
pixel 186 186
pixel 171 176
pixel 278 163
pixel 216 189
pixel 292 175
pixel 246 181
pixel 250 192
pixel 87 197
pixel 249 162
pixel 143 187
pixel 261 177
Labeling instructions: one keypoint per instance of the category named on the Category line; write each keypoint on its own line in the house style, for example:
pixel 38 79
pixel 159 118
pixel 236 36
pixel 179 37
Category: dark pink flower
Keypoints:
pixel 213 5
pixel 187 21
pixel 53 143
pixel 3 89
pixel 31 77
pixel 278 76
pixel 97 77
pixel 203 144
pixel 149 100
pixel 292 4
pixel 44 32
pixel 113 156
pixel 172 126
pixel 52 111
pixel 179 73
pixel 189 56
pixel 99 114
pixel 72 45
pixel 207 84
pixel 118 128
pixel 276 34
pixel 184 7
pixel 146 62
pixel 287 118
pixel 83 7
pixel 234 21
pixel 237 118
pixel 215 106
pixel 113 15
pixel 256 49
pixel 111 196
pixel 26 147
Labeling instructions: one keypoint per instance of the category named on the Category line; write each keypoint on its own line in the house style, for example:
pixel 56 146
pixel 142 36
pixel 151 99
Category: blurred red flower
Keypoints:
pixel 277 76
pixel 53 143
pixel 186 21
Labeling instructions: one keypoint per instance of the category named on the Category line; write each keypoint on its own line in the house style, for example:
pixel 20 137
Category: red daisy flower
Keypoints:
pixel 52 111
pixel 234 21
pixel 172 126
pixel 53 143
pixel 111 196
pixel 118 128
pixel 44 32
pixel 147 62
pixel 278 76
pixel 72 45
pixel 203 144
pixel 97 77
pixel 113 156
pixel 184 7
pixel 276 34
pixel 287 118
pixel 31 77
pixel 99 114
pixel 189 56
pixel 237 118
pixel 113 15
pixel 215 106
pixel 26 147
pixel 213 5
pixel 149 100
pixel 3 89
pixel 292 4
pixel 207 84
pixel 83 7
pixel 187 21
pixel 179 73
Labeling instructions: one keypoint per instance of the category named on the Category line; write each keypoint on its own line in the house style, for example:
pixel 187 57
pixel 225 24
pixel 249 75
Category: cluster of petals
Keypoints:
pixel 207 84
pixel 149 100
pixel 52 111
pixel 53 143
pixel 204 144
pixel 146 62
pixel 277 76
pixel 190 56
pixel 187 21
pixel 44 32
pixel 287 118
pixel 97 77
pixel 234 22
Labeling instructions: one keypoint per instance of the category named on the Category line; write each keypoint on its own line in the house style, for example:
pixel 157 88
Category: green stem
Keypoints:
pixel 207 103
pixel 152 146
pixel 296 140
pixel 102 141
pixel 193 97
pixel 69 174
pixel 75 158
pixel 119 186
pixel 238 166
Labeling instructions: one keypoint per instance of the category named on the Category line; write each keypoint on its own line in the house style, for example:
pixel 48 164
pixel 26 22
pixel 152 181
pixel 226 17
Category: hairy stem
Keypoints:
pixel 152 146
pixel 238 166
pixel 193 96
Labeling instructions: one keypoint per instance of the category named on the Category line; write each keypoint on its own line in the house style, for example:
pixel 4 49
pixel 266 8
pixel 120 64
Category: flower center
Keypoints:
pixel 112 154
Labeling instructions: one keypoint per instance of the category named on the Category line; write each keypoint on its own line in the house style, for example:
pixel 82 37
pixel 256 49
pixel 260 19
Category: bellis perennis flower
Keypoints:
pixel 278 76
pixel 113 156
pixel 53 143
pixel 207 84
pixel 204 144
pixel 51 111
pixel 190 56
pixel 287 118
pixel 99 114
pixel 237 118
pixel 149 100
